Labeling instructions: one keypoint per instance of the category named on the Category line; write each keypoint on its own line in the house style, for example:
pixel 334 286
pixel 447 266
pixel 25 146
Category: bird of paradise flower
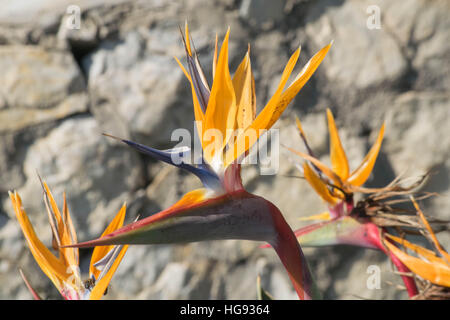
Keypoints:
pixel 64 270
pixel 427 265
pixel 341 224
pixel 223 209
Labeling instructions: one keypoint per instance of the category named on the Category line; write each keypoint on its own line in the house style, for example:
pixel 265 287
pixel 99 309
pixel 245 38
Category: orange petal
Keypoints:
pixel 49 264
pixel 436 273
pixel 244 87
pixel 339 160
pixel 360 175
pixel 325 170
pixel 266 117
pixel 99 289
pixel 298 83
pixel 221 111
pixel 101 251
pixel 263 121
pixel 70 228
pixel 427 254
pixel 430 230
pixel 69 255
pixel 190 198
pixel 324 216
pixel 318 185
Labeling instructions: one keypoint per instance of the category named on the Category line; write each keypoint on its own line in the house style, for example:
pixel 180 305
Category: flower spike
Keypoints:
pixel 64 271
pixel 227 127
pixel 342 223
pixel 427 265
pixel 277 104
pixel 337 180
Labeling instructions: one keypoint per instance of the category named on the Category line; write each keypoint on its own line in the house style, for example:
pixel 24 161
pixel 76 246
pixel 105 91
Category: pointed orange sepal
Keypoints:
pixel 318 185
pixel 430 231
pixel 221 111
pixel 360 175
pixel 101 251
pixel 436 273
pixel 244 87
pixel 49 264
pixel 339 160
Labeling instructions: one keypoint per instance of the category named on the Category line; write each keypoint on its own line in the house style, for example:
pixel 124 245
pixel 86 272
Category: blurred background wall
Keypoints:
pixel 60 88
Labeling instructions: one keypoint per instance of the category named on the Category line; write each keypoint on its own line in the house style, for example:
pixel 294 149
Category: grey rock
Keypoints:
pixel 135 94
pixel 360 57
pixel 101 175
pixel 262 12
pixel 423 33
pixel 38 87
pixel 418 143
pixel 412 121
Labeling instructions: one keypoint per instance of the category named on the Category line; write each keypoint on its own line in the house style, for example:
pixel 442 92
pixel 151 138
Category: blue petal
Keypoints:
pixel 206 175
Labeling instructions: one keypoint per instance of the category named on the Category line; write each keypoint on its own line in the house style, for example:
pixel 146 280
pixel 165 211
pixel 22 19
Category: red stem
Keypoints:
pixel 292 257
pixel 409 282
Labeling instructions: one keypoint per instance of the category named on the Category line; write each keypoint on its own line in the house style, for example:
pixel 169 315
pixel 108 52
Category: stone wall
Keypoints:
pixel 61 88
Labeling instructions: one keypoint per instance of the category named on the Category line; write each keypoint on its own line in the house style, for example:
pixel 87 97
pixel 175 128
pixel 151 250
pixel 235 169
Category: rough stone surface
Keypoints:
pixel 76 151
pixel 122 106
pixel 39 86
pixel 367 57
pixel 61 88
